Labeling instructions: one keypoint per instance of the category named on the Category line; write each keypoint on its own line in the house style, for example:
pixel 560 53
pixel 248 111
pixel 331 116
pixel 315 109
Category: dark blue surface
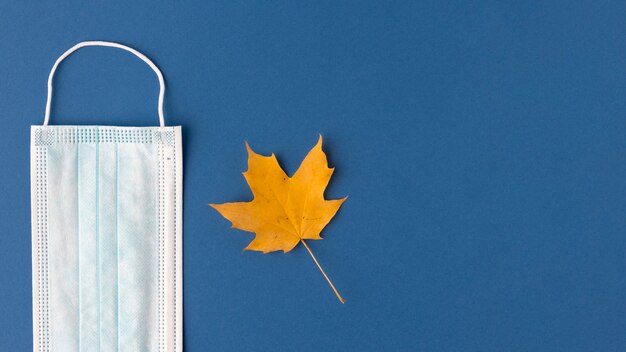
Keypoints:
pixel 482 146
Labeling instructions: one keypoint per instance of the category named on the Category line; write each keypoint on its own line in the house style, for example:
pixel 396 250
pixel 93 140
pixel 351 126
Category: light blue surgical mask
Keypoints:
pixel 106 234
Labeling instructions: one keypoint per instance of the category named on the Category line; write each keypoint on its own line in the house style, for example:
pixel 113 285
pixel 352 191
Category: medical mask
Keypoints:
pixel 106 233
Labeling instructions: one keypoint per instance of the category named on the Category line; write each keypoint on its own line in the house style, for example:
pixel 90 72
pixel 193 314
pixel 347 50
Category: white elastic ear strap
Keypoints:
pixel 113 45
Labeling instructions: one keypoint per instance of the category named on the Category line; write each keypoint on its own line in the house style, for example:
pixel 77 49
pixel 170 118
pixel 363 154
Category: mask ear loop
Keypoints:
pixel 113 45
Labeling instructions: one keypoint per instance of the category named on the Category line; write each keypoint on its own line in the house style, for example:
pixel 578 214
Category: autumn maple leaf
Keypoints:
pixel 285 210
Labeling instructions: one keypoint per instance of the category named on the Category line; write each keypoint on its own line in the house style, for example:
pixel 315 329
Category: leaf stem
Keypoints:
pixel 323 273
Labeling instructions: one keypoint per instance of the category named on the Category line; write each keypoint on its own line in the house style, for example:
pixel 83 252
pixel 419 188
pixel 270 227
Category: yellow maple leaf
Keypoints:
pixel 285 210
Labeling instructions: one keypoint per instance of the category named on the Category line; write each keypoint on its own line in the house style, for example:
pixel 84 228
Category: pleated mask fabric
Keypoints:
pixel 106 234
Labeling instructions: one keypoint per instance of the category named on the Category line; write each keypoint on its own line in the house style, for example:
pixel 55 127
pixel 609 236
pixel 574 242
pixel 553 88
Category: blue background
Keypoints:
pixel 482 147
